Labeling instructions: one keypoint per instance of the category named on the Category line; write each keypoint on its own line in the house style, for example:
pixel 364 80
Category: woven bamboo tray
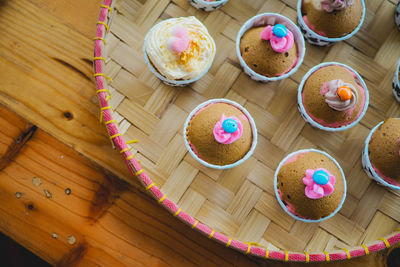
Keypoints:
pixel 237 207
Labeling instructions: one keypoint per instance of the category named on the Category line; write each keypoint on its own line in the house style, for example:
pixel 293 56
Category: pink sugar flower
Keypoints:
pixel 278 44
pixel 315 188
pixel 224 137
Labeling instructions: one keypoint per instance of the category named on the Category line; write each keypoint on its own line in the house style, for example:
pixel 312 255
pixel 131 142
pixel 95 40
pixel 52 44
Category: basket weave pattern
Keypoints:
pixel 237 207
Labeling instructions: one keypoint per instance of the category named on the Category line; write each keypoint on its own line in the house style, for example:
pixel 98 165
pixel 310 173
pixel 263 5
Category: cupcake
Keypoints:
pixel 381 154
pixel 324 22
pixel 310 185
pixel 332 97
pixel 220 134
pixel 397 15
pixel 396 83
pixel 208 5
pixel 179 51
pixel 270 47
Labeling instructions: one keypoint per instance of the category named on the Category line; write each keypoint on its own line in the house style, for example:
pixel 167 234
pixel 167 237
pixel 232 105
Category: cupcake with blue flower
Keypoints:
pixel 220 134
pixel 270 47
pixel 269 50
pixel 310 185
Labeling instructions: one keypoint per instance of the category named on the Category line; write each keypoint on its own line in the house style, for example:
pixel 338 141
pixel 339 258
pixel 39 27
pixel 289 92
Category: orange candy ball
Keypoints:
pixel 344 93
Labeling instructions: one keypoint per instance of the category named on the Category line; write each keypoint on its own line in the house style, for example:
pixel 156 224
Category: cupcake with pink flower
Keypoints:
pixel 310 185
pixel 220 134
pixel 270 47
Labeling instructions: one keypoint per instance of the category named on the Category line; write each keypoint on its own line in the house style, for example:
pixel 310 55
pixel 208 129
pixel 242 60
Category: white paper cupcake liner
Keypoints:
pixel 318 40
pixel 271 19
pixel 208 6
pixel 161 77
pixel 307 117
pixel 396 82
pixel 397 15
pixel 253 129
pixel 276 185
pixel 366 163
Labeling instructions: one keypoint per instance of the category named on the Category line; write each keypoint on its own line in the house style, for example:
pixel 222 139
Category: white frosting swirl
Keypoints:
pixel 175 66
pixel 329 90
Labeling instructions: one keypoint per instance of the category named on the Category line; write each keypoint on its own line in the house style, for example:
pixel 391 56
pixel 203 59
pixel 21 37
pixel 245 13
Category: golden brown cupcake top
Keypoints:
pixel 333 24
pixel 384 148
pixel 293 188
pixel 315 102
pixel 200 135
pixel 260 56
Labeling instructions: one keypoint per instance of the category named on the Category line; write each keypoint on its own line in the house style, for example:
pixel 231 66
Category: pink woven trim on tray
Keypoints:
pixel 136 170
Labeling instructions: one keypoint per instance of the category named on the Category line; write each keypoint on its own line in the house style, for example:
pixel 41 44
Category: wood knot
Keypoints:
pixel 30 206
pixel 68 115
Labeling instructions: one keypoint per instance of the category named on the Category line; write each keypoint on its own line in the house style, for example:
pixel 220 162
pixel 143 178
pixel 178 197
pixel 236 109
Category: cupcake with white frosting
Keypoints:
pixel 179 51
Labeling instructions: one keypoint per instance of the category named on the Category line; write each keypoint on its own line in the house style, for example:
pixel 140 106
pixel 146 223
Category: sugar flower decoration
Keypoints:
pixel 227 130
pixel 319 183
pixel 179 40
pixel 280 37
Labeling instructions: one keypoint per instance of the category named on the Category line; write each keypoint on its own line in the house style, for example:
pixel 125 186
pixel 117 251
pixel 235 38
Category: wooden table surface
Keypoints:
pixel 65 194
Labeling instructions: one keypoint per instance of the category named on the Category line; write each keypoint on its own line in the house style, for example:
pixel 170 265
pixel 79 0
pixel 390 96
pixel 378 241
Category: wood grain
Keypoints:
pixel 42 42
